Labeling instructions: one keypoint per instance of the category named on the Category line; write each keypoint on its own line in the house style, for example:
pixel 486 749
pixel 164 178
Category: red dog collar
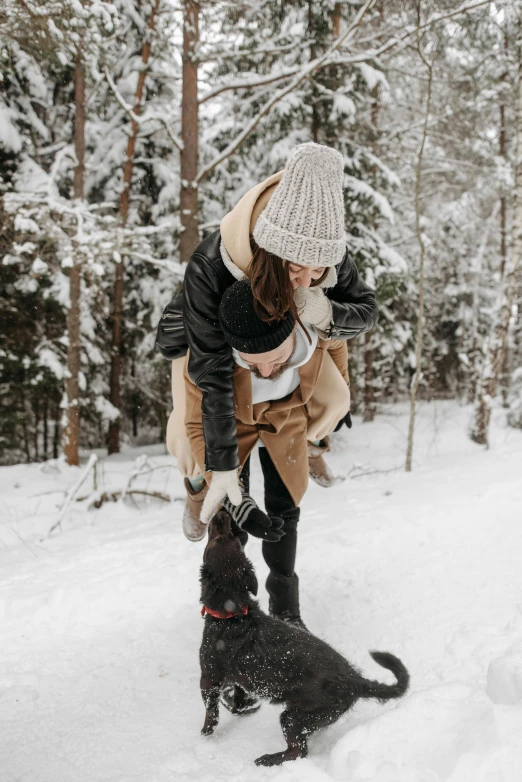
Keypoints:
pixel 223 614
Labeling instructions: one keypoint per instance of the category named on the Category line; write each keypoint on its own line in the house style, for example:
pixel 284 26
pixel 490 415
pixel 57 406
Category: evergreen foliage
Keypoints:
pixel 367 105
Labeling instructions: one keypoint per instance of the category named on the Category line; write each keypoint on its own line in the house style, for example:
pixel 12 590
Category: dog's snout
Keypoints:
pixel 220 525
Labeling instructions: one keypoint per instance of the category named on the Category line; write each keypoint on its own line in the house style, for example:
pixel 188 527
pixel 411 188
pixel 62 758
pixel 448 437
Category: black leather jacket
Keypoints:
pixel 191 320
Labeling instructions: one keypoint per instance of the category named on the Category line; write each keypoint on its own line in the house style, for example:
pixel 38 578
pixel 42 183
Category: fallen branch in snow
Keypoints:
pixel 75 488
pixel 45 493
pixel 97 499
pixel 142 466
pixel 372 472
pixel 98 496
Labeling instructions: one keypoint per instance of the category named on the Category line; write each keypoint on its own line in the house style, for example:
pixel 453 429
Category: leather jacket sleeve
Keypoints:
pixel 210 364
pixel 191 319
pixel 171 340
pixel 353 303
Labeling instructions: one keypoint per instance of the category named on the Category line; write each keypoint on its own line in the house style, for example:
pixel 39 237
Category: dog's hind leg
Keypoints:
pixel 292 722
pixel 210 694
pixel 297 726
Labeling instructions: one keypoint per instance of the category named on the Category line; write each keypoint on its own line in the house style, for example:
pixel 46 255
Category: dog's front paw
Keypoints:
pixel 207 730
pixel 211 720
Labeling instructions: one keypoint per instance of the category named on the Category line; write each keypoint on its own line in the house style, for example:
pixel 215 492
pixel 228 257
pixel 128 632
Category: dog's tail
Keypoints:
pixel 383 692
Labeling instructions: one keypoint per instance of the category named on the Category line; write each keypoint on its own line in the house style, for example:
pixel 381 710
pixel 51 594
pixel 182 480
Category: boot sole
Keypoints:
pixel 194 538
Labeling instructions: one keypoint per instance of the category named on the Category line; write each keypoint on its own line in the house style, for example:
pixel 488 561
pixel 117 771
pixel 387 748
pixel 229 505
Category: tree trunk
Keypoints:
pixel 353 358
pixel 422 254
pixel 369 392
pixel 189 236
pixel 504 371
pixel 336 20
pixel 56 433
pixel 502 153
pixel 496 346
pixel 72 384
pixel 474 352
pixel 46 428
pixel 113 439
pixel 36 411
pixel 23 412
pixel 316 120
pixel 369 341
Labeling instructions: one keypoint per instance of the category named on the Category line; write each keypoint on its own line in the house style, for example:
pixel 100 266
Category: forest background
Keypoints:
pixel 128 129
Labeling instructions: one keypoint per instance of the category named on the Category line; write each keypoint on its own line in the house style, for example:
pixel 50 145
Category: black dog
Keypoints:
pixel 243 646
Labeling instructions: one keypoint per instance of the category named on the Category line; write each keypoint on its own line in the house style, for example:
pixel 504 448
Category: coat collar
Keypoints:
pixel 252 414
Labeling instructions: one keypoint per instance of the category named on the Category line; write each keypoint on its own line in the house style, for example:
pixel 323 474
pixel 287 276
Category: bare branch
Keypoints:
pixel 75 488
pixel 127 108
pixel 230 54
pixel 301 76
pixel 274 77
pixel 463 8
pixel 140 120
pixel 365 56
pixel 175 268
pixel 422 255
pixel 98 499
pixel 248 85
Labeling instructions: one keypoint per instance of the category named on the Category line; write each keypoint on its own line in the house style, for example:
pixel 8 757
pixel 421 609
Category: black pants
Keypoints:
pixel 280 557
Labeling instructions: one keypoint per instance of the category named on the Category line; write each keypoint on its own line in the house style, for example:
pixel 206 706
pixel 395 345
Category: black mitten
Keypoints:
pixel 250 518
pixel 346 420
pixel 260 525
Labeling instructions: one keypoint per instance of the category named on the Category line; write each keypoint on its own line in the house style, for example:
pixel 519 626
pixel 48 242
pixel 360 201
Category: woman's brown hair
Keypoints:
pixel 271 286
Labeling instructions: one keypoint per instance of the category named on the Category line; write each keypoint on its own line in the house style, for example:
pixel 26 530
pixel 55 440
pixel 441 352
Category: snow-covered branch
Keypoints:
pixel 364 56
pixel 141 119
pixel 303 73
pixel 175 268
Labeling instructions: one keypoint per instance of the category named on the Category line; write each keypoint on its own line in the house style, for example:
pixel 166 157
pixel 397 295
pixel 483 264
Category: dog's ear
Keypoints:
pixel 206 579
pixel 251 581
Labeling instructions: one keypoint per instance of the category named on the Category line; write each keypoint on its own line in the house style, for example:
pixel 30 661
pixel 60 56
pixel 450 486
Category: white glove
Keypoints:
pixel 222 483
pixel 313 307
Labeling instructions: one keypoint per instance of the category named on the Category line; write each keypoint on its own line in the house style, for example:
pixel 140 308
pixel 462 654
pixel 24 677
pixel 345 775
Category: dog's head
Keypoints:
pixel 226 573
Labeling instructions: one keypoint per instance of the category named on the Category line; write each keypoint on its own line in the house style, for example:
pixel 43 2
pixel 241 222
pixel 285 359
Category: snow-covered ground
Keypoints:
pixel 101 625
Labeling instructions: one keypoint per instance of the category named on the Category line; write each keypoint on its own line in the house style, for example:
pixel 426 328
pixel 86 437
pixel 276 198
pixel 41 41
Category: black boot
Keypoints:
pixel 284 598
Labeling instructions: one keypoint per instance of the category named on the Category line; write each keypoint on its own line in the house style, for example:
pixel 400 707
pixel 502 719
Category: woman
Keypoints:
pixel 287 236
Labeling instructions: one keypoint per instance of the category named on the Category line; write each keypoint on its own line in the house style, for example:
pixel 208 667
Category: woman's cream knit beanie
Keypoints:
pixel 304 220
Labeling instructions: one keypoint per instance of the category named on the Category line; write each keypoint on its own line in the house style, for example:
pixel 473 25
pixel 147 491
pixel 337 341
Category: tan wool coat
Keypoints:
pixel 282 425
pixel 331 393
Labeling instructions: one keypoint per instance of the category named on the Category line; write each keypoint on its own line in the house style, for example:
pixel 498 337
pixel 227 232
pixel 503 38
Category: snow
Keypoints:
pixel 101 628
pixel 505 677
pixel 343 105
pixel 48 358
pixel 39 267
pixel 359 187
pixel 31 178
pixel 25 224
pixel 106 409
pixel 10 138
